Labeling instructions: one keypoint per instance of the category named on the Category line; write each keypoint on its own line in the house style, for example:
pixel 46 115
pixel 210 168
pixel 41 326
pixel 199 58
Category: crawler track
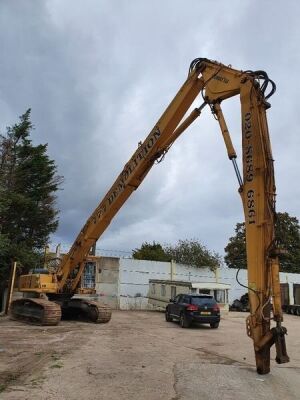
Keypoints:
pixel 102 312
pixel 81 309
pixel 36 311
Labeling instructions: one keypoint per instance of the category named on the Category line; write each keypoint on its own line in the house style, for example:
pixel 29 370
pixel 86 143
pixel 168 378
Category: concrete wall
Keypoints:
pixel 107 281
pixel 134 281
pixel 124 283
pixel 134 278
pixel 135 274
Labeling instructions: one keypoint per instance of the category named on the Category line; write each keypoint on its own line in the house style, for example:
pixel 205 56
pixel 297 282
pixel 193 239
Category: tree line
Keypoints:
pixel 189 251
pixel 193 252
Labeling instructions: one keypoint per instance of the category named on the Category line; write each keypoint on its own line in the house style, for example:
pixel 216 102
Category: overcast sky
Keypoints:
pixel 98 74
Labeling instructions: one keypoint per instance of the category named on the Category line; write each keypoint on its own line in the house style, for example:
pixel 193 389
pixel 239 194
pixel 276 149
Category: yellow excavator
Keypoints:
pixel 214 82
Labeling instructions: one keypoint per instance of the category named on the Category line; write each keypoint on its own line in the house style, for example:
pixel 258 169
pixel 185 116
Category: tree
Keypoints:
pixel 148 251
pixel 189 252
pixel 287 232
pixel 28 182
pixel 235 251
pixel 192 252
pixel 288 238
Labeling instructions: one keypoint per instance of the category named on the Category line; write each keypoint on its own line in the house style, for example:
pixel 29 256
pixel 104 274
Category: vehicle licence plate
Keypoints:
pixel 205 313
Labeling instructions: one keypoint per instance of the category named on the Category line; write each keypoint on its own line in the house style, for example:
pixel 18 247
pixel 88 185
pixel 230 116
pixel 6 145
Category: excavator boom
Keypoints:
pixel 132 175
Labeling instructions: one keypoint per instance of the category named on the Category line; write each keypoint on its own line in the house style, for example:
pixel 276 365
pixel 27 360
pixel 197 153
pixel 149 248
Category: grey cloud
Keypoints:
pixel 98 75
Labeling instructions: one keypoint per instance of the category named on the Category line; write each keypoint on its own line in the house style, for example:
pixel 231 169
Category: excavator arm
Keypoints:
pixel 258 193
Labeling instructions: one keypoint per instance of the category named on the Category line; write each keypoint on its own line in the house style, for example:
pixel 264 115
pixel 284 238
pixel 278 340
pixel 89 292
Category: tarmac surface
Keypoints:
pixel 138 355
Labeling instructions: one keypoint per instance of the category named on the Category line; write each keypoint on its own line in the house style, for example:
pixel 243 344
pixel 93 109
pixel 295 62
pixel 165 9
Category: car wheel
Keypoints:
pixel 214 325
pixel 184 323
pixel 168 316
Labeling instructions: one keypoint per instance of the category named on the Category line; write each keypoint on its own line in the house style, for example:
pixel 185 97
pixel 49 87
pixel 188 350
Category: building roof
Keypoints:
pixel 210 285
pixel 196 285
pixel 168 282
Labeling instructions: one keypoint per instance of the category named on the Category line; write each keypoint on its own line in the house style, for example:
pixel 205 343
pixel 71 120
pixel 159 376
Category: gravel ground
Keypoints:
pixel 138 355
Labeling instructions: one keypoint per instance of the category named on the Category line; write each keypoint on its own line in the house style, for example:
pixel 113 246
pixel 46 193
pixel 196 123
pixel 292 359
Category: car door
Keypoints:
pixel 184 302
pixel 177 305
pixel 171 306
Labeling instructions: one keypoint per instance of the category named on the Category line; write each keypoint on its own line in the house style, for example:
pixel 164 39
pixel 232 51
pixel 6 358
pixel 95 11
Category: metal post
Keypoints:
pixel 10 286
pixel 173 272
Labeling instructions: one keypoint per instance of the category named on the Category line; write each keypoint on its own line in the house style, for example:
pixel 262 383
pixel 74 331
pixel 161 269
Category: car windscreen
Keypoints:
pixel 203 301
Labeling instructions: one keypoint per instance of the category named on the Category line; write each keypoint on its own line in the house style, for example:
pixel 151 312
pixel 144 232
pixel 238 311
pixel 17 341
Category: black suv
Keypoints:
pixel 188 308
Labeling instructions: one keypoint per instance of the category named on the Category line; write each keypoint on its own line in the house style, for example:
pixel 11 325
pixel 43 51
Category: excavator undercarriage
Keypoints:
pixel 45 312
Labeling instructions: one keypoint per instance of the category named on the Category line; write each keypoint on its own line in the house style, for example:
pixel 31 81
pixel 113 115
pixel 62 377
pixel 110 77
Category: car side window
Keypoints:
pixel 186 300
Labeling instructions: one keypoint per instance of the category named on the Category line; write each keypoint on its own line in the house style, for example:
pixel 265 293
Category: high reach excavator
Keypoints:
pixel 214 82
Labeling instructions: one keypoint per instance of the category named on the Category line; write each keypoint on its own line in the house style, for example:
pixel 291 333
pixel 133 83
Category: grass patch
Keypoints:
pixel 56 366
pixel 11 377
pixel 2 387
pixel 55 357
pixel 36 381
